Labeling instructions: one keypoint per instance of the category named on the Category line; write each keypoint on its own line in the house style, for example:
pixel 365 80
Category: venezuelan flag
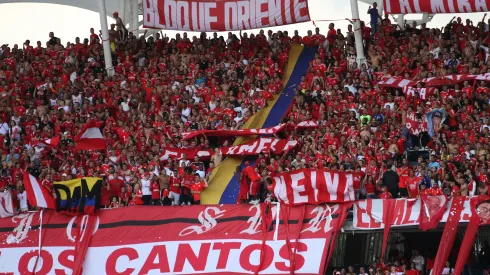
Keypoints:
pixel 223 183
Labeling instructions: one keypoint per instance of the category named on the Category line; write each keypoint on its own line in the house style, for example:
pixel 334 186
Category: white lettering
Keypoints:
pixel 207 14
pixel 297 188
pixel 313 184
pixel 298 6
pixel 290 144
pixel 480 5
pixel 253 19
pixel 183 11
pixel 422 93
pixel 260 14
pixel 262 144
pixel 247 148
pixel 349 188
pixel 275 13
pixel 437 6
pixel 464 6
pixel 231 150
pixel 150 14
pixel 416 4
pixel 168 154
pixel 405 6
pixel 231 16
pixel 170 12
pixel 273 146
pixel 287 5
pixel 207 221
pixel 451 6
pixel 280 189
pixel 332 184
pixel 243 15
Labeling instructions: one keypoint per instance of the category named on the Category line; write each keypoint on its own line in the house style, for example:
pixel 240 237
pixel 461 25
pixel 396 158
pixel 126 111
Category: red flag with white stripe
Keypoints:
pixel 90 138
pixel 37 194
pixel 53 142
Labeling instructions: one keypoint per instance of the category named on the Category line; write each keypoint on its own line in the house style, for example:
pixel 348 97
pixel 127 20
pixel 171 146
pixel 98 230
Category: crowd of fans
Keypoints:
pixel 397 265
pixel 165 86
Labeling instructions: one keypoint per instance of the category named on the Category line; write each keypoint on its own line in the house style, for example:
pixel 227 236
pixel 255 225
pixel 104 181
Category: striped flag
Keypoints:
pixel 37 194
pixel 53 142
pixel 90 138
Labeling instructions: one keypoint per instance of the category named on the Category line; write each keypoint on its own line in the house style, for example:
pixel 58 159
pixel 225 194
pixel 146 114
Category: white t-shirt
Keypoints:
pixel 22 200
pixel 419 262
pixel 4 128
pixel 145 187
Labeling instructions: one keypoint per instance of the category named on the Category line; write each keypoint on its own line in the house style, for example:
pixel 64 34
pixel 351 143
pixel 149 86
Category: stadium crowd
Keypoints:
pixel 165 86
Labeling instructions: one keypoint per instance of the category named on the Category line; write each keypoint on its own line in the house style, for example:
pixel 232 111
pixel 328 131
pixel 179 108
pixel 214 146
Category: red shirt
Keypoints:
pixel 155 191
pixel 385 195
pixel 174 185
pixel 138 200
pixel 196 188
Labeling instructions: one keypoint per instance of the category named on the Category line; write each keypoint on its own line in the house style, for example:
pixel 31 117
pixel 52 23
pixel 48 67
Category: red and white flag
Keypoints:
pixel 90 138
pixel 6 205
pixel 432 209
pixel 53 142
pixel 37 194
pixel 313 186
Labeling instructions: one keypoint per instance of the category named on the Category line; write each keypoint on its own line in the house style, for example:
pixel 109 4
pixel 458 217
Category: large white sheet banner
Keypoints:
pixel 222 15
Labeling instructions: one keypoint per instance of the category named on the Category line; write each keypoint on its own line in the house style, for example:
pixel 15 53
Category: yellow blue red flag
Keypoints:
pixel 78 196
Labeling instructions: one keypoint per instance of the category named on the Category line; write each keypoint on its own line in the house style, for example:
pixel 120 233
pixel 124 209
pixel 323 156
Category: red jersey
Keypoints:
pixel 155 191
pixel 412 184
pixel 138 199
pixel 175 185
pixel 196 189
pixel 385 195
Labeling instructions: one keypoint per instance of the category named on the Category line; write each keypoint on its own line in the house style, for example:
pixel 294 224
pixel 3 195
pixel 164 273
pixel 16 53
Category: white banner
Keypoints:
pixel 368 214
pixel 181 257
pixel 222 15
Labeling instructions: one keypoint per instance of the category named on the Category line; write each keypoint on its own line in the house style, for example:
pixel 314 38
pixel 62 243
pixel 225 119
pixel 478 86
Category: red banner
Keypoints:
pixel 449 234
pixel 226 239
pixel 435 6
pixel 480 207
pixel 249 132
pixel 251 148
pixel 261 145
pixel 432 210
pixel 368 214
pixel 416 123
pixel 223 15
pixel 312 186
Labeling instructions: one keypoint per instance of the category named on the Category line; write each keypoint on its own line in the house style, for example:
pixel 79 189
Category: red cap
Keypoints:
pixel 247 163
pixel 116 13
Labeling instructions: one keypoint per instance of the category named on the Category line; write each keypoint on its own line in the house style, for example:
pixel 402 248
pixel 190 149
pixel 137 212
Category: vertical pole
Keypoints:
pixel 105 38
pixel 135 25
pixel 399 21
pixel 122 9
pixel 425 18
pixel 381 8
pixel 357 32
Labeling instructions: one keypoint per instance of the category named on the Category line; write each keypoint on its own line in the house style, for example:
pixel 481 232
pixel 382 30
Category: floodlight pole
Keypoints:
pixel 399 21
pixel 361 59
pixel 105 38
pixel 135 22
